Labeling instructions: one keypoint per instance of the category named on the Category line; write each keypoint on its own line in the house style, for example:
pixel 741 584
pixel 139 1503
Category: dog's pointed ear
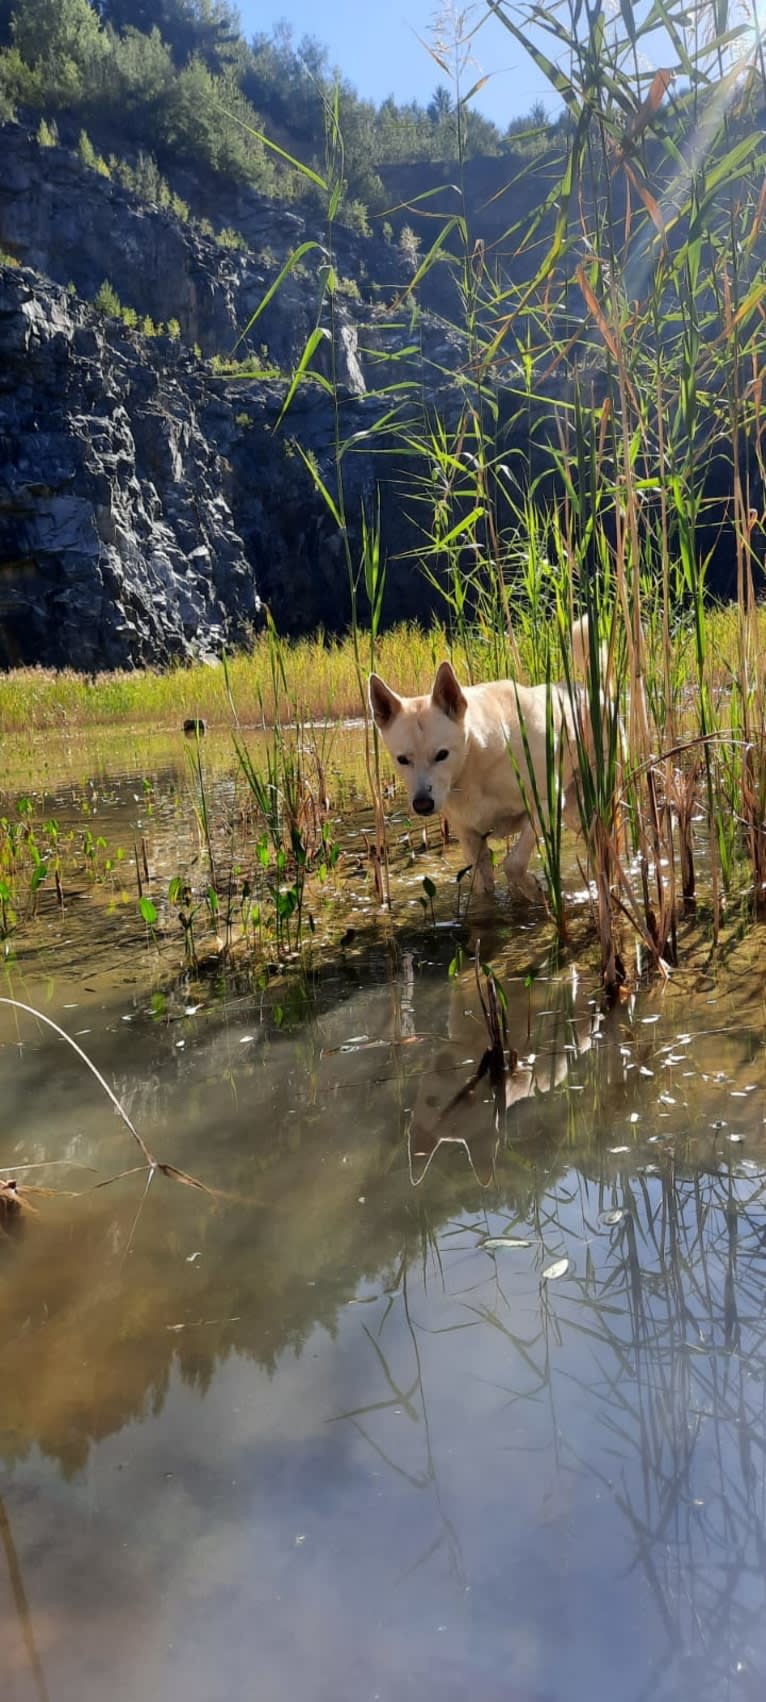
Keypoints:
pixel 447 695
pixel 384 703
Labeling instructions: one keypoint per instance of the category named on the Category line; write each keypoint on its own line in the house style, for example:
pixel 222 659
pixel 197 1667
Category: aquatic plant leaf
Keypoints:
pixel 558 1269
pixel 40 872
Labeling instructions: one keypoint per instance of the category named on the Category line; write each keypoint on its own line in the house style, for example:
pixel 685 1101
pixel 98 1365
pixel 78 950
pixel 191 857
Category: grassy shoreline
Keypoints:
pixel 320 676
pixel 320 681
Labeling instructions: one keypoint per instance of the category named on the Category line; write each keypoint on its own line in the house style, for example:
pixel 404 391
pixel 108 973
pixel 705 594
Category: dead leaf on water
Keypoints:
pixel 201 1324
pixel 364 1044
pixel 492 1241
pixel 556 1270
pixel 611 1217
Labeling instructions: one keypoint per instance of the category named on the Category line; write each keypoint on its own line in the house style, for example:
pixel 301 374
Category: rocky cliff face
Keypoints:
pixel 75 226
pixel 147 507
pixel 117 543
pixel 146 504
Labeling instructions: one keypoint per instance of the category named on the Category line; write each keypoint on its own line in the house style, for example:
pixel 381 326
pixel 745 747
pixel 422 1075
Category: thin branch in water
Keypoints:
pixel 17 1005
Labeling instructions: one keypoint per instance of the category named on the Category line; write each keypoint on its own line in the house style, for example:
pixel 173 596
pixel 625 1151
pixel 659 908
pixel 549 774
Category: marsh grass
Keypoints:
pixel 630 334
pixel 633 343
pixel 606 421
pixel 321 677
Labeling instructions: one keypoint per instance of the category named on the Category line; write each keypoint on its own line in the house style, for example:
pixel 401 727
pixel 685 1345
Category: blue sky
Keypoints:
pixel 374 43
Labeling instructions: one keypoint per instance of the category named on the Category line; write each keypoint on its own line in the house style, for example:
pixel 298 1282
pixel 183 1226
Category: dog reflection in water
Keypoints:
pixel 474 1115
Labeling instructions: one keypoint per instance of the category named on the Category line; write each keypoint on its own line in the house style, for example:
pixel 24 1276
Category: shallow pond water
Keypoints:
pixel 445 1390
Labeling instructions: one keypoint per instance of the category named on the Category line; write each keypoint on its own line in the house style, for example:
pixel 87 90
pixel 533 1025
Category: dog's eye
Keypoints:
pixel 403 761
pixel 441 756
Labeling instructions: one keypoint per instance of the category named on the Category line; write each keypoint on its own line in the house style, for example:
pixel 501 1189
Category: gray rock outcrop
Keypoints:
pixel 77 227
pixel 149 498
pixel 146 506
pixel 117 542
pixel 146 500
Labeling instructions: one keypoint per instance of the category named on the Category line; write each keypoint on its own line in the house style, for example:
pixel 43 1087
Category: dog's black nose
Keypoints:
pixel 423 803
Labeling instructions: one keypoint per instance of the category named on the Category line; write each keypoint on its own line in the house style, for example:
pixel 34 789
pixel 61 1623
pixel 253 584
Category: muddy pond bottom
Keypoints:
pixel 446 1391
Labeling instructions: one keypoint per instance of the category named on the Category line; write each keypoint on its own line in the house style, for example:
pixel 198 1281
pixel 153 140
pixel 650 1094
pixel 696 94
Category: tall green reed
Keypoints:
pixel 648 284
pixel 602 417
pixel 286 785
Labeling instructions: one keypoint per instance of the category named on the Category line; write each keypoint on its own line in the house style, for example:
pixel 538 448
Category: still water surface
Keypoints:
pixel 315 1437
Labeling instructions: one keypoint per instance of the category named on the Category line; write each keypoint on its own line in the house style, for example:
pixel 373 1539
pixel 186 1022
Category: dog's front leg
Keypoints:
pixel 476 852
pixel 516 864
pixel 571 810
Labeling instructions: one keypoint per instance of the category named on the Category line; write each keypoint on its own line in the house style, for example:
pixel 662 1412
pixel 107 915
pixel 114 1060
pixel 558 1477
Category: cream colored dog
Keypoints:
pixel 462 753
